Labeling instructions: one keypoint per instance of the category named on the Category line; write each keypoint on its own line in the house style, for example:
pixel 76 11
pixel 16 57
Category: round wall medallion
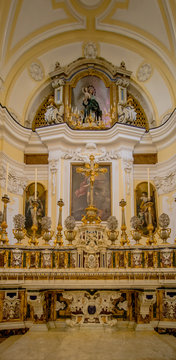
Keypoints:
pixel 144 72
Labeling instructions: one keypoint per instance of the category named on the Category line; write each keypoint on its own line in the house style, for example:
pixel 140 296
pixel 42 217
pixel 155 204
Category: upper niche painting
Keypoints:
pixel 90 96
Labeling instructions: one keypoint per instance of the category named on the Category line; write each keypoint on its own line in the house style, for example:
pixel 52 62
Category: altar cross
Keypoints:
pixel 91 170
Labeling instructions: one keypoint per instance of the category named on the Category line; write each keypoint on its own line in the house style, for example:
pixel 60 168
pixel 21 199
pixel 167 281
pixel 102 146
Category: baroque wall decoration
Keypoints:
pixel 144 72
pixel 36 71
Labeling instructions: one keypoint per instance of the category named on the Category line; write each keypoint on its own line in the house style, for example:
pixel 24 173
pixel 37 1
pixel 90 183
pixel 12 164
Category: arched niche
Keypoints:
pixel 29 195
pixel 141 210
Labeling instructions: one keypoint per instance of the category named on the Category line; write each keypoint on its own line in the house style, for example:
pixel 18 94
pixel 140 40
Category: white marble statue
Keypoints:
pixel 127 113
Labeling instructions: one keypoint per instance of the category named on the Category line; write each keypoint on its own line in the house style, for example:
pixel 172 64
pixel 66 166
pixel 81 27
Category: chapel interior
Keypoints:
pixel 88 179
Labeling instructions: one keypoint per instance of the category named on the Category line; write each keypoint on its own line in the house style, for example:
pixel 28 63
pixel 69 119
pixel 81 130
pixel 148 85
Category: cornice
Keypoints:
pixel 13 132
pixel 118 135
pixel 61 135
pixel 165 134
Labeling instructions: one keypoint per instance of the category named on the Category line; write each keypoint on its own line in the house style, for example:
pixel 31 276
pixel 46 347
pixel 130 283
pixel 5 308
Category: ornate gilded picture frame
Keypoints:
pixel 80 193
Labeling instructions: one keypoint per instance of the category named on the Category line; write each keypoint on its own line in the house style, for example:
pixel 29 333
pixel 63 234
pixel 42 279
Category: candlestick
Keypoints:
pixel 124 237
pixel 35 183
pixel 59 238
pixel 7 173
pixel 148 173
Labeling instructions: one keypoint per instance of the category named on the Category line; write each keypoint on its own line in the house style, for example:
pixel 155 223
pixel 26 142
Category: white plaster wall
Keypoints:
pixel 116 54
pixel 169 207
pixel 64 54
pixel 33 15
pixel 157 88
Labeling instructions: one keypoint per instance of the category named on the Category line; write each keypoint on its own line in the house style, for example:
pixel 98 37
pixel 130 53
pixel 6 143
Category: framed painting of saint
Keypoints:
pixel 29 210
pixel 141 209
pixel 80 193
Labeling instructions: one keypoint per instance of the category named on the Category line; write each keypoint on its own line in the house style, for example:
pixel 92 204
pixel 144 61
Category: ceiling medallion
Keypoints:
pixel 144 72
pixel 36 71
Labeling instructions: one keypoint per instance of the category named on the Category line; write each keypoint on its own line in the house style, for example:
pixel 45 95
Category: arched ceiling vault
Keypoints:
pixel 46 31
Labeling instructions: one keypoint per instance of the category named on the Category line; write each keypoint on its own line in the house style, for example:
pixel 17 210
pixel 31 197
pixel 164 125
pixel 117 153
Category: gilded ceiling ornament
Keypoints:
pixel 144 72
pixel 36 71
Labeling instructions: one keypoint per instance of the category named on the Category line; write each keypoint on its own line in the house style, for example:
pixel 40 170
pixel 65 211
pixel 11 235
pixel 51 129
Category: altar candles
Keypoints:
pixel 7 174
pixel 35 183
pixel 148 173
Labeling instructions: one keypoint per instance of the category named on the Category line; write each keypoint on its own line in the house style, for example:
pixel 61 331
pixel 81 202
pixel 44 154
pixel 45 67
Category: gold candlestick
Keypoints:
pixel 4 238
pixel 59 238
pixel 151 239
pixel 33 239
pixel 124 238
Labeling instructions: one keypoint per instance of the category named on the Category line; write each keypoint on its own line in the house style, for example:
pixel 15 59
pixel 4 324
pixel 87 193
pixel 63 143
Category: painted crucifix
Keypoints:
pixel 91 170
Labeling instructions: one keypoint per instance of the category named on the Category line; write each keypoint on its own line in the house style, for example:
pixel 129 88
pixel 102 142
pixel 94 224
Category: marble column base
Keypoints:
pixel 39 327
pixel 167 324
pixel 143 327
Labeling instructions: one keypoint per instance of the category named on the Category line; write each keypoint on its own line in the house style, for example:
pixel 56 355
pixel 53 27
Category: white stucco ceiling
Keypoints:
pixel 46 31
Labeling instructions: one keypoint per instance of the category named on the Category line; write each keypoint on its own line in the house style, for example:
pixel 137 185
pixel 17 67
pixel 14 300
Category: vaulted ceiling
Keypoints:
pixel 140 32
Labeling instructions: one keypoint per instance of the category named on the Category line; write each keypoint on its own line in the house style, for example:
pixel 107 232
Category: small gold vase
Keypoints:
pixel 136 235
pixel 19 234
pixel 70 236
pixel 113 235
pixel 47 236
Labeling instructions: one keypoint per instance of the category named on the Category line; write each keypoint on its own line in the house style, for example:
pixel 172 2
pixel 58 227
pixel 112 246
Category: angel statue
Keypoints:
pixel 53 114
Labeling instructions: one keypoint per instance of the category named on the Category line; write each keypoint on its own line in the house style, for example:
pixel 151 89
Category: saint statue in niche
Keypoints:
pixel 29 209
pixel 141 208
pixel 91 97
pixel 90 104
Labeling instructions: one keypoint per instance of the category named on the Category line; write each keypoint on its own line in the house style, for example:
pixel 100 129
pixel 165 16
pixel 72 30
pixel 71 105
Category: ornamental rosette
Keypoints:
pixel 69 223
pixel 19 221
pixel 136 223
pixel 164 220
pixel 112 223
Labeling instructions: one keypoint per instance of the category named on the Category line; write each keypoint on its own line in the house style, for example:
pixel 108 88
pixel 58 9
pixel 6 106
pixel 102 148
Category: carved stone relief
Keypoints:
pixel 146 300
pixel 37 300
pixel 169 305
pixel 90 50
pixel 11 307
pixel 144 72
pixel 36 71
pixel 165 184
pixel 92 308
pixel 46 258
pixel 17 257
pixel 16 184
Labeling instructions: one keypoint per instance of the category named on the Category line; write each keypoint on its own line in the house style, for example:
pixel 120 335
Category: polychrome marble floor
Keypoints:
pixel 89 344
